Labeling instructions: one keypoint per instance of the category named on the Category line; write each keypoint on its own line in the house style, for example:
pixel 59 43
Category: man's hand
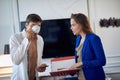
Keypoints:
pixel 42 68
pixel 31 35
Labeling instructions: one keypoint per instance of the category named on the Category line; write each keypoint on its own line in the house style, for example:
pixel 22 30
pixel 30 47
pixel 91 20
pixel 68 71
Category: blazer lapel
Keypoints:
pixel 84 46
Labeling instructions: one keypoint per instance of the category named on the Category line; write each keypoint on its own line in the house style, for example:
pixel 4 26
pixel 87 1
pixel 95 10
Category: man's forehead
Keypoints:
pixel 38 23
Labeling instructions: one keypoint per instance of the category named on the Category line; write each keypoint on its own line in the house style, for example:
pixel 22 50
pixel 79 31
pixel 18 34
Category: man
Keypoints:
pixel 26 49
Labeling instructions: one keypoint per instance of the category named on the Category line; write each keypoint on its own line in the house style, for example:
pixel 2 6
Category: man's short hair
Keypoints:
pixel 33 18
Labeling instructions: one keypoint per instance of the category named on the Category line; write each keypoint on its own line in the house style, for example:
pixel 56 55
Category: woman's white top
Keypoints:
pixel 79 53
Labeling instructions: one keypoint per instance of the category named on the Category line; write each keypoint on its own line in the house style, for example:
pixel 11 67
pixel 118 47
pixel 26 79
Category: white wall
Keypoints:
pixel 9 21
pixel 6 23
pixel 51 9
pixel 110 36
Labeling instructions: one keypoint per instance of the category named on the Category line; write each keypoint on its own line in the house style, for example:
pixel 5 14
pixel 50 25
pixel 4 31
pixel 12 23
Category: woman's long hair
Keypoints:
pixel 82 20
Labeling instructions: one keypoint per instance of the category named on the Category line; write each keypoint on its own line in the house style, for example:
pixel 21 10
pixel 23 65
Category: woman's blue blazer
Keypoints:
pixel 93 57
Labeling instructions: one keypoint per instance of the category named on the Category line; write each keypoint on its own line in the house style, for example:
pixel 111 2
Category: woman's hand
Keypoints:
pixel 41 68
pixel 76 65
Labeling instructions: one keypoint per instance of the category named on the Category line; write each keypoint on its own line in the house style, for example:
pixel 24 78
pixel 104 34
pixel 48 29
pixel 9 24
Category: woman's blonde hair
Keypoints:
pixel 83 20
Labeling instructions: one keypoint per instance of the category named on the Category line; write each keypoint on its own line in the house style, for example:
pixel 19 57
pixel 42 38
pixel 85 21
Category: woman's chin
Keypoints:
pixel 75 34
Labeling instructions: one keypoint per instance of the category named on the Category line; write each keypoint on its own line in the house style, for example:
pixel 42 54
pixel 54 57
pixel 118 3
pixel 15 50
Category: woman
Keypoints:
pixel 89 49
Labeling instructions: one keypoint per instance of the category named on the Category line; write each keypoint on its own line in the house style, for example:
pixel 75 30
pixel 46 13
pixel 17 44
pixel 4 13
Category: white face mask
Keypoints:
pixel 36 29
